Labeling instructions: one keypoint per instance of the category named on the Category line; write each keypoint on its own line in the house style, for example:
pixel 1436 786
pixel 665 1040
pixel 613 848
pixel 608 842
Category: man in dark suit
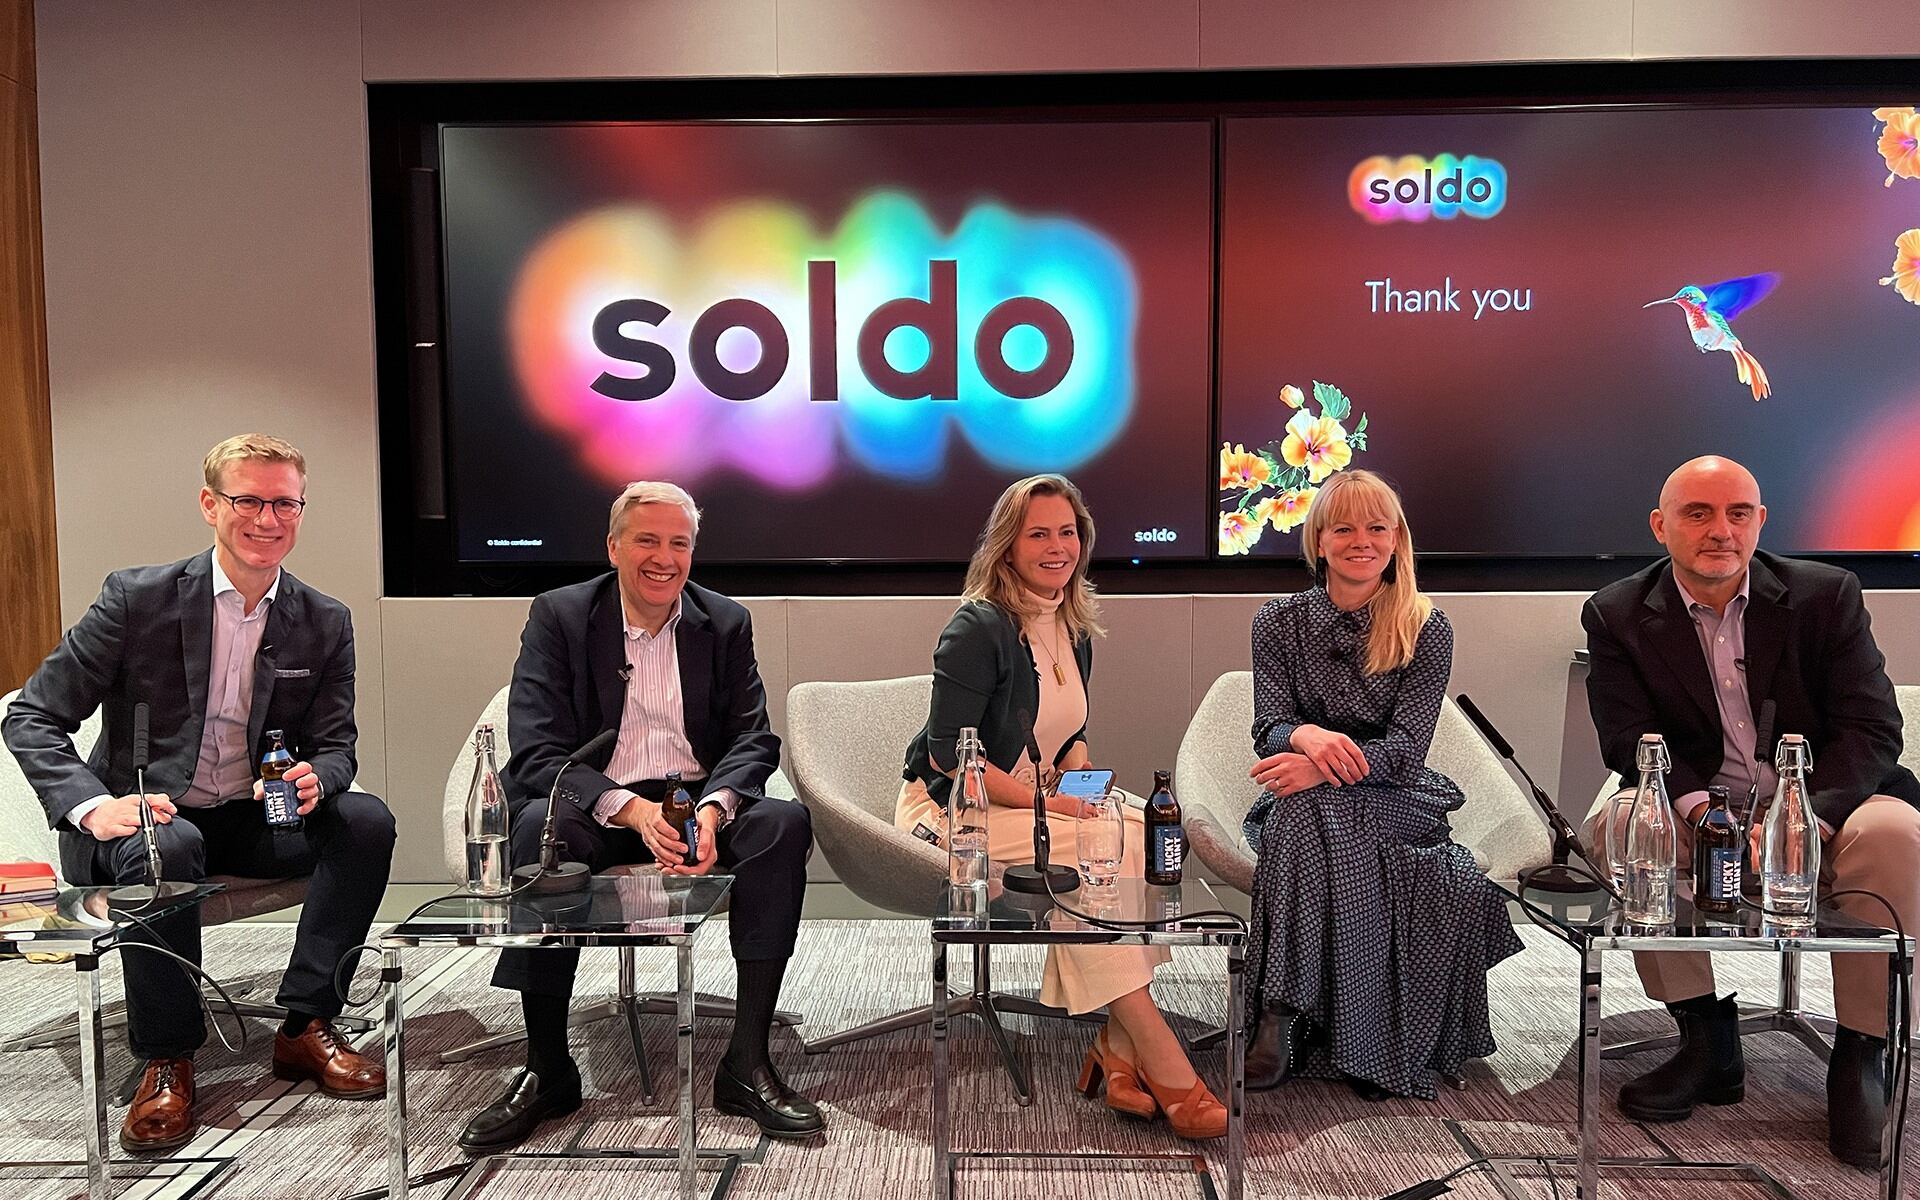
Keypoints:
pixel 1721 649
pixel 222 647
pixel 669 665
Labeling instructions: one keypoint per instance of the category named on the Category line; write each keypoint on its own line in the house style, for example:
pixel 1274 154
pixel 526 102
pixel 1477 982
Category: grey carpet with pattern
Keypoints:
pixel 263 1138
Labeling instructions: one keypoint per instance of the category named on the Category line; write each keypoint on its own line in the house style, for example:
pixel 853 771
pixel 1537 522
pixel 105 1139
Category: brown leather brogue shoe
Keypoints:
pixel 322 1055
pixel 162 1113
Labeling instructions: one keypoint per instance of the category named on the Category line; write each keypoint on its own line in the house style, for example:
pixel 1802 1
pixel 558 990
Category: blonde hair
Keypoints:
pixel 1400 612
pixel 644 491
pixel 251 447
pixel 991 577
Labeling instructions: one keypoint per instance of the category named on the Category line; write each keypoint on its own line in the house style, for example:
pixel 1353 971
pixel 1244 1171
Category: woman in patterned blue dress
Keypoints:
pixel 1372 930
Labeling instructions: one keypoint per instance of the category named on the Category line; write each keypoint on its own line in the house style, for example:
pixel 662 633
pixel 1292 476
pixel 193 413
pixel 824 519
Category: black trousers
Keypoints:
pixel 764 848
pixel 345 844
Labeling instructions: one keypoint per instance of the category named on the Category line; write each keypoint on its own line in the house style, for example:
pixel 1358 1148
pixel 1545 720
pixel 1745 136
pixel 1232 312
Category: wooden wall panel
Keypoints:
pixel 29 575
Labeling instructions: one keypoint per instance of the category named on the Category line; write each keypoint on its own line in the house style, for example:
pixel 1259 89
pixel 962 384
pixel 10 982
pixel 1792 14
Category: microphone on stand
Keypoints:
pixel 1556 877
pixel 155 888
pixel 550 876
pixel 1041 877
pixel 1762 754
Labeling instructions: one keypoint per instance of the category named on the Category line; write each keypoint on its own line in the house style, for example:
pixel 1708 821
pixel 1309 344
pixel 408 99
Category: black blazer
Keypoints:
pixel 149 637
pixel 567 690
pixel 984 676
pixel 1810 650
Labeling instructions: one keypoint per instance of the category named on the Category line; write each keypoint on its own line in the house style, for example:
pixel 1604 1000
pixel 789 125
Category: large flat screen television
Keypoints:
pixel 1472 304
pixel 843 338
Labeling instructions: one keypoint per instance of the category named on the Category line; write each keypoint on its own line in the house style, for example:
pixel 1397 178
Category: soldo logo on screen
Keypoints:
pixel 753 342
pixel 1412 188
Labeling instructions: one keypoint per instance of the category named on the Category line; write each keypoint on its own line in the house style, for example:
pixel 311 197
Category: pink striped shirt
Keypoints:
pixel 653 723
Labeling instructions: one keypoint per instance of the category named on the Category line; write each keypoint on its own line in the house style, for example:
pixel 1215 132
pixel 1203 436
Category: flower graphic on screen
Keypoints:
pixel 1241 469
pixel 1286 510
pixel 1238 532
pixel 1278 493
pixel 1906 266
pixel 1318 445
pixel 1900 142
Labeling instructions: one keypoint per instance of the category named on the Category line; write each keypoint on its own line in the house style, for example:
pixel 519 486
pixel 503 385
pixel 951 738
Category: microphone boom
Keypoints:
pixel 1554 877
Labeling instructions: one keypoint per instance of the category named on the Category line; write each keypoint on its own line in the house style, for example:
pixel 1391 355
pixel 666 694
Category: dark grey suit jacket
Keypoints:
pixel 149 638
pixel 1810 651
pixel 567 690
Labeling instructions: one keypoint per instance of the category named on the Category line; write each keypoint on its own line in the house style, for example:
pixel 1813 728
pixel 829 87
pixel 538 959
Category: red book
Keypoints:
pixel 25 877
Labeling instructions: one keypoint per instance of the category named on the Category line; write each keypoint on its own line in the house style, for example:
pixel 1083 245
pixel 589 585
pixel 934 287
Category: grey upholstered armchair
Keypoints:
pixel 1497 822
pixel 846 742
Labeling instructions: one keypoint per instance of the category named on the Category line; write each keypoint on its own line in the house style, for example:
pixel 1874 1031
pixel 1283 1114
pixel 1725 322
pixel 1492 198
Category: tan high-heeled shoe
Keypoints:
pixel 1123 1091
pixel 1195 1114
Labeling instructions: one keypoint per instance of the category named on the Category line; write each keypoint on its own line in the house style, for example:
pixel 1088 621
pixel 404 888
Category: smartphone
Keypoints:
pixel 1084 784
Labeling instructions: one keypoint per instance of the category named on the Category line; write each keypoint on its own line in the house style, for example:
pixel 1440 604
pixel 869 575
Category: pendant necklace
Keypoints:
pixel 1059 676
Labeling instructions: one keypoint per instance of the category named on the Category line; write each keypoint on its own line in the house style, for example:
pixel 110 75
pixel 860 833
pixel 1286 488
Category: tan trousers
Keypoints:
pixel 1878 849
pixel 1079 979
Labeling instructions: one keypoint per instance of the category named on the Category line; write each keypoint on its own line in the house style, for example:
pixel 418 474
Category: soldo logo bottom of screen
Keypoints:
pixel 1412 188
pixel 936 318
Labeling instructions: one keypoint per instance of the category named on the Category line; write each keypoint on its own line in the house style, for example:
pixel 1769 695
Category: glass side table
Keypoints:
pixel 1591 924
pixel 625 910
pixel 1015 919
pixel 80 922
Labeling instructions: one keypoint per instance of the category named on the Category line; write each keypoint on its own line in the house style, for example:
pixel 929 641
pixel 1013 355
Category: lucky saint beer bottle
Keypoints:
pixel 1718 850
pixel 281 799
pixel 1166 836
pixel 677 811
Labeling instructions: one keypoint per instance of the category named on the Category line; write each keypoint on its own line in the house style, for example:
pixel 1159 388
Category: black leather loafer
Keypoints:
pixel 765 1099
pixel 512 1118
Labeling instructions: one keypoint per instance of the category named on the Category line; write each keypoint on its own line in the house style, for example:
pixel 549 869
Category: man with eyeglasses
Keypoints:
pixel 222 647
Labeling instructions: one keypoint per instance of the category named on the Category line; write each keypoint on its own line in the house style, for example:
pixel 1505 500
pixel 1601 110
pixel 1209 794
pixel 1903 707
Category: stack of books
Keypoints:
pixel 27 883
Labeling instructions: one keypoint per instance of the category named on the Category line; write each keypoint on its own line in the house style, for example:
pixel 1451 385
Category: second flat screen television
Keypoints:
pixel 1539 314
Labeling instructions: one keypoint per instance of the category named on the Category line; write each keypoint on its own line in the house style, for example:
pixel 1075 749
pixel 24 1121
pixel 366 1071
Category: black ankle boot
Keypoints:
pixel 1270 1050
pixel 1856 1098
pixel 1708 1068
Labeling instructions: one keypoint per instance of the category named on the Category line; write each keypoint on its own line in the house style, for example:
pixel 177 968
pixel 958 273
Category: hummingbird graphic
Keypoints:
pixel 1710 309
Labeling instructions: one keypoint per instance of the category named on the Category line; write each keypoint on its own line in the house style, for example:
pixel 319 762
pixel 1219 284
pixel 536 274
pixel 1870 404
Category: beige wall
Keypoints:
pixel 205 197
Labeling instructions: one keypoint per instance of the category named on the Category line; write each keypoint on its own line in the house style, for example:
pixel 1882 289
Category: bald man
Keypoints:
pixel 1694 648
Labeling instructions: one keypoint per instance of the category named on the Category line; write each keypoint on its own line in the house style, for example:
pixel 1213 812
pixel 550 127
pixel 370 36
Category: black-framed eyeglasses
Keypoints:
pixel 286 508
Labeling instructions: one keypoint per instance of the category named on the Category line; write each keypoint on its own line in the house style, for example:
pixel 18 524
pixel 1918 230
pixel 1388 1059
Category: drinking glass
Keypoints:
pixel 1100 835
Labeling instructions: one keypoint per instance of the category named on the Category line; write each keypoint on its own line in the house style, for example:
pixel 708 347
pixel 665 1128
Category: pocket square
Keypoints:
pixel 291 673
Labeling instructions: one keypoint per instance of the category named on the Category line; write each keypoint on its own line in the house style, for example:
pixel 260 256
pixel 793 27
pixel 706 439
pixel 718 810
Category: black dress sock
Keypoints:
pixel 296 1023
pixel 546 1018
pixel 758 994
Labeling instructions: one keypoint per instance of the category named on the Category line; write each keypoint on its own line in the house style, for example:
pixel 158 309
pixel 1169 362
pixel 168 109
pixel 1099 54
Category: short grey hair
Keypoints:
pixel 645 491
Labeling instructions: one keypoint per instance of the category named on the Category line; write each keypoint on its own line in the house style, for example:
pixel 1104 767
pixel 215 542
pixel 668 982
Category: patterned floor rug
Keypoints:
pixel 264 1139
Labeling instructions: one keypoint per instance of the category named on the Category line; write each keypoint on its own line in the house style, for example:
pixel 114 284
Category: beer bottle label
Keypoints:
pixel 1169 849
pixel 282 807
pixel 692 839
pixel 1723 873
